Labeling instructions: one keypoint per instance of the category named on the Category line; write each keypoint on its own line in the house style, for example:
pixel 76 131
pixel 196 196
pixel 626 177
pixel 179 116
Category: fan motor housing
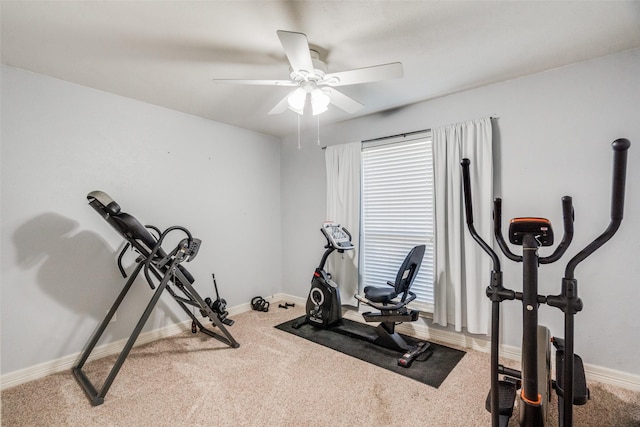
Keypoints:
pixel 318 72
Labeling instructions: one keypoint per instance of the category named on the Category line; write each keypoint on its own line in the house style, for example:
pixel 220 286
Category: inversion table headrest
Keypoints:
pixel 108 204
pixel 128 227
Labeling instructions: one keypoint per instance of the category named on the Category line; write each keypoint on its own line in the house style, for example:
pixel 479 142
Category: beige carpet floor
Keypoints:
pixel 274 379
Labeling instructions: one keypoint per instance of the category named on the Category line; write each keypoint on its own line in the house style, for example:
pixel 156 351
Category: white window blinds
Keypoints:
pixel 397 213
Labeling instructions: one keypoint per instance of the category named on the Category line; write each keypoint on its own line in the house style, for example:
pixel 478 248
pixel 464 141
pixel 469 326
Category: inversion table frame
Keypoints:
pixel 166 269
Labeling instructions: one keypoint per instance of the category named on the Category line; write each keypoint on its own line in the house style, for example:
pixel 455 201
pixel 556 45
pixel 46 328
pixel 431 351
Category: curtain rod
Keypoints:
pixel 404 135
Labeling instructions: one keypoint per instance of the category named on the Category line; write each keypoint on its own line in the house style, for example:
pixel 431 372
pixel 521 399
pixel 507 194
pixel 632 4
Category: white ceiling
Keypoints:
pixel 166 53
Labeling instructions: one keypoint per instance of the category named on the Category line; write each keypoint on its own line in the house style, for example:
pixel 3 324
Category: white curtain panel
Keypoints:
pixel 462 269
pixel 343 207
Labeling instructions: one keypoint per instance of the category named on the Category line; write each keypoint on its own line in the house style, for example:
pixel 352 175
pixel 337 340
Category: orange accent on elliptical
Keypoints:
pixel 529 401
pixel 530 219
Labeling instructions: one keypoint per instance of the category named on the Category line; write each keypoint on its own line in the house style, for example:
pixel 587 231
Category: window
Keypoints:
pixel 397 213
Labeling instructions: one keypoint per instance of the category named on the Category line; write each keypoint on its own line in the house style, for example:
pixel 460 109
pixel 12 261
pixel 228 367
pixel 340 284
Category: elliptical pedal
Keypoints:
pixel 507 391
pixel 580 389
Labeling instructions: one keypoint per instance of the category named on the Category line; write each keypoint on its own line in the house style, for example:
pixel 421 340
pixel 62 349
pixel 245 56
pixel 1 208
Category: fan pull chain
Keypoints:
pixel 298 131
pixel 318 116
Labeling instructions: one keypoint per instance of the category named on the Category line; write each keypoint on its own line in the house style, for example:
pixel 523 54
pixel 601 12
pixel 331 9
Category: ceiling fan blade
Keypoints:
pixel 296 47
pixel 342 101
pixel 256 82
pixel 364 75
pixel 281 106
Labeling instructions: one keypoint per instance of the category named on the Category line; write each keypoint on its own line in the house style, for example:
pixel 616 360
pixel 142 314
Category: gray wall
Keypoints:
pixel 258 204
pixel 552 138
pixel 61 141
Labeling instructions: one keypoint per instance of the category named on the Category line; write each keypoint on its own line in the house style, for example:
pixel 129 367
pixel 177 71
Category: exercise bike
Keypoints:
pixel 324 308
pixel 534 379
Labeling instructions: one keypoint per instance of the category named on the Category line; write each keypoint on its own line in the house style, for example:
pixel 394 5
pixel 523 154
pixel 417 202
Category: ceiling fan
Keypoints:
pixel 309 75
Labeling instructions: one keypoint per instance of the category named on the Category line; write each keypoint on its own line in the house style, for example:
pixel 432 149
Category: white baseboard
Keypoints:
pixel 288 298
pixel 593 372
pixel 612 377
pixel 41 370
pixel 67 362
pixel 455 339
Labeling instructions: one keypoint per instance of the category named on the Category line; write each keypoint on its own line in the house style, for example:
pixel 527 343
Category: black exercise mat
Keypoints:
pixel 440 360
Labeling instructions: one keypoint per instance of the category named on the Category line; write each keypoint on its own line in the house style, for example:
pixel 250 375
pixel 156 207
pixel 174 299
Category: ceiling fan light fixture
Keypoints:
pixel 297 99
pixel 307 71
pixel 319 101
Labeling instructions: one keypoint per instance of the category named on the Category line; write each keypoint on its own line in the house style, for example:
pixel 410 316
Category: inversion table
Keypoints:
pixel 163 271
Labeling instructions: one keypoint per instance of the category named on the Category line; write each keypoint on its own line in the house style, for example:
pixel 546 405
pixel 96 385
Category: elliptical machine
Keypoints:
pixel 535 377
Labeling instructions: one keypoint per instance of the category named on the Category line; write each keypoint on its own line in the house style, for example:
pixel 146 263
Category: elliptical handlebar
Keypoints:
pixel 568 217
pixel 466 182
pixel 620 147
pixel 497 230
pixel 567 214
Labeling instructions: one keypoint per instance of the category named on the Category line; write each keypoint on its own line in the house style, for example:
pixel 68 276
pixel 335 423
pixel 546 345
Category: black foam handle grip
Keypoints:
pixel 497 215
pixel 567 214
pixel 466 183
pixel 620 148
